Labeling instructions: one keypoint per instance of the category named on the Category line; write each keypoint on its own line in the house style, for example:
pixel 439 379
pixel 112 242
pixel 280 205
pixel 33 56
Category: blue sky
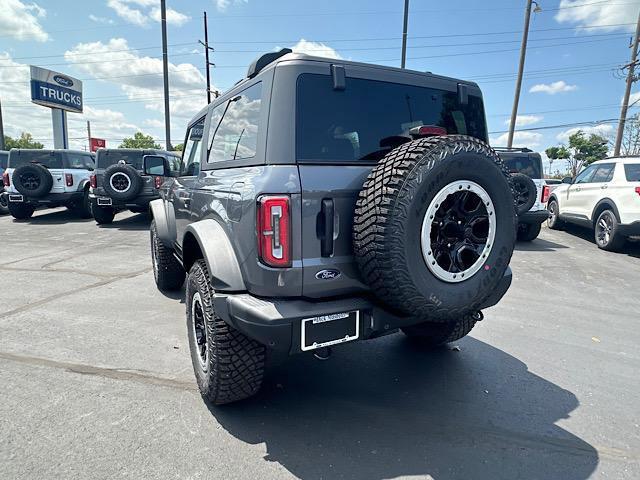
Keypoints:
pixel 114 46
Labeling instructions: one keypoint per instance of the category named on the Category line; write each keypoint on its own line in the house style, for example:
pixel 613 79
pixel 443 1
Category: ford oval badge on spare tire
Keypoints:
pixel 328 274
pixel 64 81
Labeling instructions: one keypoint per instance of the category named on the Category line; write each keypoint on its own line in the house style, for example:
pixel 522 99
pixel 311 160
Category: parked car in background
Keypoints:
pixel 605 196
pixel 527 162
pixel 47 178
pixel 4 158
pixel 119 182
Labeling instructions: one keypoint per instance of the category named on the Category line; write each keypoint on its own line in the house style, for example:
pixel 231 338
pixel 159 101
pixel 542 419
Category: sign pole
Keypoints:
pixel 60 134
pixel 89 134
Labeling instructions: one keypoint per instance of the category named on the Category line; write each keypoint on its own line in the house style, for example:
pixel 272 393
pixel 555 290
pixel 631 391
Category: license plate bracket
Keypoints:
pixel 326 330
pixel 16 198
pixel 104 201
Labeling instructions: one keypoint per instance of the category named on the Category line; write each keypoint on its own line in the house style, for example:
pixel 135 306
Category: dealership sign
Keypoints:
pixel 96 143
pixel 55 90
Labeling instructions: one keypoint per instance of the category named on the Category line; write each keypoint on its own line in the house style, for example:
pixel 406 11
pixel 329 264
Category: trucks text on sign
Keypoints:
pixel 55 90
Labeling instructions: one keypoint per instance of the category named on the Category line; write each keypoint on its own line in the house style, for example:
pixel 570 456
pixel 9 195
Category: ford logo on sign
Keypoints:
pixel 327 274
pixel 64 81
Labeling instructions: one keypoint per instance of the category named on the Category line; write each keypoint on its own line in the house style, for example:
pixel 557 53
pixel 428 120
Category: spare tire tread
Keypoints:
pixel 379 205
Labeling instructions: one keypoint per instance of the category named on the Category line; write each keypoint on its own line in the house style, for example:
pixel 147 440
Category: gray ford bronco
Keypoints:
pixel 327 202
pixel 119 182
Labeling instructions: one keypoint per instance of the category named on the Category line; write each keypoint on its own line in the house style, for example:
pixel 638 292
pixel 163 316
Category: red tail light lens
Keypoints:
pixel 68 179
pixel 93 181
pixel 546 191
pixel 5 179
pixel 274 230
pixel 157 181
pixel 637 188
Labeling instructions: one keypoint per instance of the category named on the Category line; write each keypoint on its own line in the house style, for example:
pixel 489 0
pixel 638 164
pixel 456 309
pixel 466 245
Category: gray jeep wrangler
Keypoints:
pixel 119 182
pixel 321 202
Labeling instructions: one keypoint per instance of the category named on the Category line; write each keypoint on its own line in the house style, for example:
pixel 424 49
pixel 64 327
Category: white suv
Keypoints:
pixel 604 196
pixel 47 178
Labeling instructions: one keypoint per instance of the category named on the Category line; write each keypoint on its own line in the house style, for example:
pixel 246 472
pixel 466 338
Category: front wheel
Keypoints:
pixel 527 232
pixel 21 211
pixel 607 233
pixel 228 365
pixel 430 334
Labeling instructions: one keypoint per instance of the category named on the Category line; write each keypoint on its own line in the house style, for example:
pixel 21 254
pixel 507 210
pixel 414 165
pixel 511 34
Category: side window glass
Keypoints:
pixel 89 163
pixel 75 160
pixel 604 173
pixel 585 176
pixel 236 135
pixel 190 165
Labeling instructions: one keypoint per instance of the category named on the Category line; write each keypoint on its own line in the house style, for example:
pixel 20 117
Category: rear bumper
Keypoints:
pixel 630 229
pixel 537 216
pixel 50 199
pixel 276 323
pixel 141 201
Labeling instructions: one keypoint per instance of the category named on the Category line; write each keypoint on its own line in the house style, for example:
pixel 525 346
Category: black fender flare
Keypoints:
pixel 83 184
pixel 218 253
pixel 603 201
pixel 165 228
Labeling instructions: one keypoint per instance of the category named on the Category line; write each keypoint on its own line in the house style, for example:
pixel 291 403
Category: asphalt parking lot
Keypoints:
pixel 96 380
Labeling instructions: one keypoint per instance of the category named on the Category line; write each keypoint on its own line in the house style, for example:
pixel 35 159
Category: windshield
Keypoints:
pixel 46 158
pixel 350 124
pixel 529 164
pixel 632 172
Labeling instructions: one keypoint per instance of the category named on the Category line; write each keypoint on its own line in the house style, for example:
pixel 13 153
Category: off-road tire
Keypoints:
pixel 32 171
pixel 236 363
pixel 554 222
pixel 167 271
pixel 431 334
pixel 4 204
pixel 388 217
pixel 528 232
pixel 21 211
pixel 102 215
pixel 615 239
pixel 134 179
pixel 82 207
pixel 525 192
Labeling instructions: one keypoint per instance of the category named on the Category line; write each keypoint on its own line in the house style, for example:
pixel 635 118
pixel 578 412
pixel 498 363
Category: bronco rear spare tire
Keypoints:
pixel 122 182
pixel 435 227
pixel 32 180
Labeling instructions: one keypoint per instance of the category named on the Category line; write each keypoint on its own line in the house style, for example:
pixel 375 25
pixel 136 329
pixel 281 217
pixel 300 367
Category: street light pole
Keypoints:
pixel 404 34
pixel 627 92
pixel 523 53
pixel 165 72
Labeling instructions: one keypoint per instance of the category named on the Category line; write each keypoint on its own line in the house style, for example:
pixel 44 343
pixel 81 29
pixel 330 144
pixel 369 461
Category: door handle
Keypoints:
pixel 578 189
pixel 604 186
pixel 327 212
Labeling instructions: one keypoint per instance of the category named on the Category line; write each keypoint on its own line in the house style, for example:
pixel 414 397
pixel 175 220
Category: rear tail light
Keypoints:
pixel 5 179
pixel 637 188
pixel 93 181
pixel 546 191
pixel 157 181
pixel 68 179
pixel 274 230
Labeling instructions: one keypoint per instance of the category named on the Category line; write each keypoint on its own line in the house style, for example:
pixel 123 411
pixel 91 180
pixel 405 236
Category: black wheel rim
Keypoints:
pixel 521 194
pixel 604 229
pixel 30 181
pixel 120 182
pixel 199 331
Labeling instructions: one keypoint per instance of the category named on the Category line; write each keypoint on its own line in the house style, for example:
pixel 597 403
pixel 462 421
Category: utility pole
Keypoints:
pixel 89 134
pixel 523 54
pixel 1 130
pixel 207 63
pixel 630 79
pixel 165 71
pixel 404 34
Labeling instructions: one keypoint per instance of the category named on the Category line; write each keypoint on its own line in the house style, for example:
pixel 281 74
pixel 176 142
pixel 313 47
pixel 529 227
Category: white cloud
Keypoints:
pixel 141 12
pixel 154 123
pixel 553 88
pixel 581 13
pixel 315 48
pixel 223 5
pixel 520 140
pixel 94 18
pixel 604 130
pixel 524 120
pixel 20 20
pixel 634 97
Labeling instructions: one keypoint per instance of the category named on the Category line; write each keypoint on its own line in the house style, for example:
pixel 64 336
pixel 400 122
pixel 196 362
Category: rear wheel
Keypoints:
pixel 607 233
pixel 554 222
pixel 82 207
pixel 4 204
pixel 528 232
pixel 229 366
pixel 21 211
pixel 167 271
pixel 102 215
pixel 431 334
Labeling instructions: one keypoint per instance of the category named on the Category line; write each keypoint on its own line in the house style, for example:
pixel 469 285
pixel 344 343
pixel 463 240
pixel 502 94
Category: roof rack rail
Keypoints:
pixel 259 63
pixel 512 149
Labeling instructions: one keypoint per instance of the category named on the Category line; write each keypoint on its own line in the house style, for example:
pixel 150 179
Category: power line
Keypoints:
pixel 562 125
pixel 103 61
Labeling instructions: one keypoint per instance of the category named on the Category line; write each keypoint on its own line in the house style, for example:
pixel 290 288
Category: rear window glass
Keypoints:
pixel 106 158
pixel 45 158
pixel 632 172
pixel 348 125
pixel 530 165
pixel 4 158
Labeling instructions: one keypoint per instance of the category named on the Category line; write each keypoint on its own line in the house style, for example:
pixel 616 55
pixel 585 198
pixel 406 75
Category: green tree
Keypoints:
pixel 139 140
pixel 581 151
pixel 179 147
pixel 24 141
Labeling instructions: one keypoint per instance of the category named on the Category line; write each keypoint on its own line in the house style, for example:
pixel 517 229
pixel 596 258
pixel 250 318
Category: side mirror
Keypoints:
pixel 567 180
pixel 156 165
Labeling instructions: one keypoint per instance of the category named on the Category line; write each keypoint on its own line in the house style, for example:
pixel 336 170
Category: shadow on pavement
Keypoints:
pixel 386 409
pixel 539 245
pixel 140 221
pixel 54 217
